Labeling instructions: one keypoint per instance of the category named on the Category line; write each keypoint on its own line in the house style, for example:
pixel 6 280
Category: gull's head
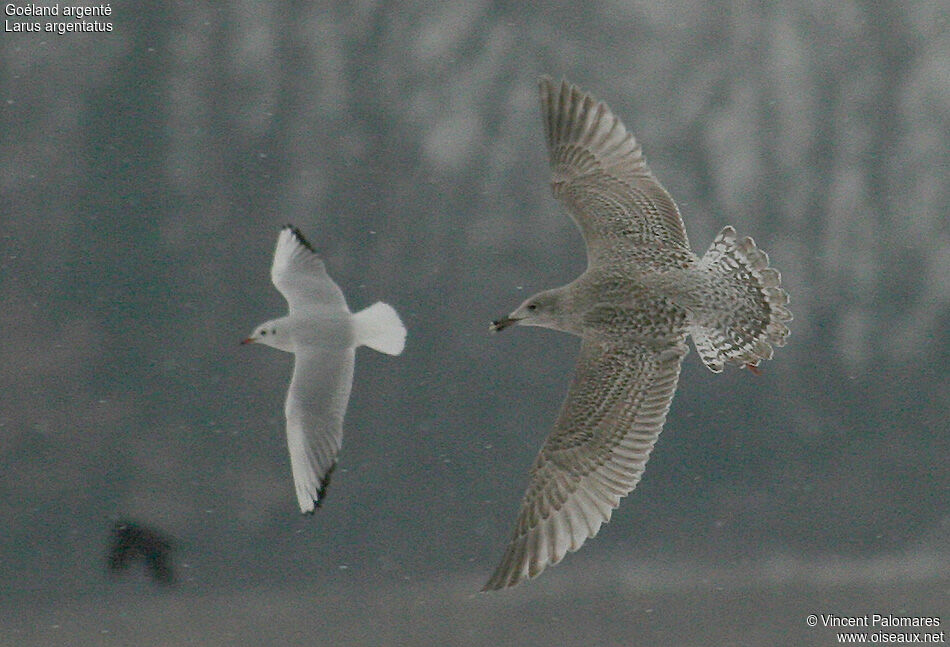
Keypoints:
pixel 270 333
pixel 543 309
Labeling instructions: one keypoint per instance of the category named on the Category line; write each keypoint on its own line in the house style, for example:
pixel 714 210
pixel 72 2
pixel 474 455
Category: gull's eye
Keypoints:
pixel 532 307
pixel 263 332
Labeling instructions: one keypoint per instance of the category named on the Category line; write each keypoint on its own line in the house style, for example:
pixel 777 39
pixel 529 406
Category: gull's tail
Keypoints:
pixel 745 312
pixel 380 328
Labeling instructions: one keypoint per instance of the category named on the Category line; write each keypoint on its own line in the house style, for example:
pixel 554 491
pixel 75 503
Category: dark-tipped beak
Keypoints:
pixel 249 340
pixel 501 324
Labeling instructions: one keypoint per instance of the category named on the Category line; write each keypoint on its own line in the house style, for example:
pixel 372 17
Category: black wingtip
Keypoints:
pixel 299 236
pixel 322 492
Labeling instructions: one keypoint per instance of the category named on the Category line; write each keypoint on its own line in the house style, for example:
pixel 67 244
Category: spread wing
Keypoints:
pixel 301 276
pixel 608 424
pixel 601 176
pixel 316 404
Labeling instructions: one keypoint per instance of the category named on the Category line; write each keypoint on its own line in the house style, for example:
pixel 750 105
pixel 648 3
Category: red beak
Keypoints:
pixel 249 340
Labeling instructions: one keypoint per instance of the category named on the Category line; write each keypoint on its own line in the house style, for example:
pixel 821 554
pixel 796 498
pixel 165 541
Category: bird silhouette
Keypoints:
pixel 132 542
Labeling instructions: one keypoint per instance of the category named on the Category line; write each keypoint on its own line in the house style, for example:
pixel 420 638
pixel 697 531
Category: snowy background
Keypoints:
pixel 144 175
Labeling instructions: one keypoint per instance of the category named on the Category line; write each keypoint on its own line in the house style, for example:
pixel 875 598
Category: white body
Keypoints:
pixel 323 335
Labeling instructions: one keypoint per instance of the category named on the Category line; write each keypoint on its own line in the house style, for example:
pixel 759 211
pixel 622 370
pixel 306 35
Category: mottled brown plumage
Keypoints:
pixel 643 292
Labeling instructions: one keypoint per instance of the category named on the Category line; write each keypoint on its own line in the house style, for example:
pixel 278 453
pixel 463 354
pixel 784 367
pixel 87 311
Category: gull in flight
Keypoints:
pixel 643 292
pixel 323 335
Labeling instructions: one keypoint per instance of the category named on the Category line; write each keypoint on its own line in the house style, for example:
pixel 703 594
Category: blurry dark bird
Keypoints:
pixel 133 542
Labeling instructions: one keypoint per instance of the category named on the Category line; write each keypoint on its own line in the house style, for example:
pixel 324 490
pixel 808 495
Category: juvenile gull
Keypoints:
pixel 643 292
pixel 323 335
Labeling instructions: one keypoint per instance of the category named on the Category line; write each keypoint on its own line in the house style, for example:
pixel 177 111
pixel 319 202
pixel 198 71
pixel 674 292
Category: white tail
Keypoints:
pixel 380 328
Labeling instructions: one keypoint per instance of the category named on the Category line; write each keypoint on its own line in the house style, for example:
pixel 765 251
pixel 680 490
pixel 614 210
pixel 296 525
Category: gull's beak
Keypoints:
pixel 501 324
pixel 249 340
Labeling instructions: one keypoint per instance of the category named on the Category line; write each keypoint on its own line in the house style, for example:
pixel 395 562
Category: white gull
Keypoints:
pixel 323 335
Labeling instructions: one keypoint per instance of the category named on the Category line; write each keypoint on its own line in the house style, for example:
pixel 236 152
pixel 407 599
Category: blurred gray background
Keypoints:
pixel 146 172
